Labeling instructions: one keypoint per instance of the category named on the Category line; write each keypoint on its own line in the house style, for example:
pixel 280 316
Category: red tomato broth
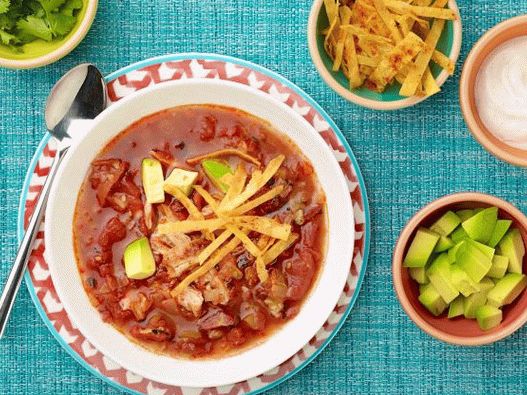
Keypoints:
pixel 143 309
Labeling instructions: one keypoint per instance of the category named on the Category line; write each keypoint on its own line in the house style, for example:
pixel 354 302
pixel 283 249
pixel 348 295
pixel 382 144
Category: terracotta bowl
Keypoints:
pixel 496 36
pixel 459 331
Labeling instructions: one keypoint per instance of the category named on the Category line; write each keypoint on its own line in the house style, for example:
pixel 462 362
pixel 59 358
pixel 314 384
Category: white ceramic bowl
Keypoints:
pixel 253 361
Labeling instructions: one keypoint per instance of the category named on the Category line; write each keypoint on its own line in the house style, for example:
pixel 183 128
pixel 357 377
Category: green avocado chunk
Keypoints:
pixel 419 275
pixel 446 224
pixel 473 261
pixel 452 253
pixel 152 179
pixel 430 298
pixel 139 261
pixel 486 284
pixel 499 266
pixel 421 248
pixel 439 275
pixel 459 235
pixel 488 251
pixel 488 317
pixel 216 170
pixel 507 289
pixel 472 303
pixel 465 214
pixel 512 246
pixel 456 307
pixel 502 226
pixel 462 281
pixel 444 244
pixel 480 226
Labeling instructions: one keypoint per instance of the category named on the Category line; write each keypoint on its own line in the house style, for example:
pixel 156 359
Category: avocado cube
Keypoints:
pixel 512 246
pixel 217 171
pixel 439 275
pixel 472 303
pixel 507 289
pixel 499 266
pixel 139 261
pixel 480 226
pixel 452 253
pixel 462 281
pixel 486 284
pixel 446 224
pixel 421 248
pixel 488 317
pixel 465 214
pixel 152 179
pixel 430 298
pixel 444 244
pixel 459 235
pixel 478 210
pixel 473 261
pixel 180 179
pixel 488 251
pixel 419 275
pixel 456 307
pixel 502 226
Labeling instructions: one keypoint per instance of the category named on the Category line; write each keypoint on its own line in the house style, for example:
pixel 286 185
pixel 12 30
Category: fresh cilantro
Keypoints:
pixel 23 21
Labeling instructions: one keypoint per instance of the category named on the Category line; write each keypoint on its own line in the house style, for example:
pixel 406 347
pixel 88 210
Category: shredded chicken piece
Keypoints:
pixel 191 300
pixel 137 303
pixel 214 289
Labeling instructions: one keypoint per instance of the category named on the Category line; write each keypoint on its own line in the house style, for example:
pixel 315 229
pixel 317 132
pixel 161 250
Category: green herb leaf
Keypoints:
pixel 4 6
pixel 7 38
pixel 36 27
pixel 61 24
pixel 51 5
pixel 71 6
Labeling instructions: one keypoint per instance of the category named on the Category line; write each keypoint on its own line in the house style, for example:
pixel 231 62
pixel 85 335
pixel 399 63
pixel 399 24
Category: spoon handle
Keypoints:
pixel 19 267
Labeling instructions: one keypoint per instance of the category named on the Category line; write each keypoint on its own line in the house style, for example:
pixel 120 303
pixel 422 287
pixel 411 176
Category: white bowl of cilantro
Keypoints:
pixel 35 33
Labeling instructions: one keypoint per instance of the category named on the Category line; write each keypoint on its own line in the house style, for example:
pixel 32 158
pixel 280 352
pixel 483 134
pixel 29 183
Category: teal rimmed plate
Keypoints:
pixel 449 44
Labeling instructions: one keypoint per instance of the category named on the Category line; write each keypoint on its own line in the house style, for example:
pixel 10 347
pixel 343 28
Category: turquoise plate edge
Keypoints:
pixel 272 74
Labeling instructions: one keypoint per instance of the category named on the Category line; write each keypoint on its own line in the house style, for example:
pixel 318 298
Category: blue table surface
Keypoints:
pixel 408 158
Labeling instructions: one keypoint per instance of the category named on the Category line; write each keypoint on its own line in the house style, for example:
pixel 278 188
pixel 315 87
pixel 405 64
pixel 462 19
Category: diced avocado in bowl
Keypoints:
pixel 468 263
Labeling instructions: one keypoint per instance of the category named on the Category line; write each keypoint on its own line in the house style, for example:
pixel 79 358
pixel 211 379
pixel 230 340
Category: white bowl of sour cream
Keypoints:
pixel 493 91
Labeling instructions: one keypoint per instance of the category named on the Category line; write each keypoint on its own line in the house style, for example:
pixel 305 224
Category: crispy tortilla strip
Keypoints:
pixel 261 270
pixel 279 247
pixel 418 68
pixel 207 197
pixel 352 63
pixel 394 61
pixel 256 182
pixel 209 250
pixel 236 185
pixel 439 3
pixel 388 20
pixel 247 243
pixel 257 201
pixel 443 61
pixel 423 3
pixel 367 61
pixel 339 50
pixel 329 41
pixel 264 225
pixel 430 12
pixel 265 242
pixel 189 206
pixel 429 83
pixel 224 152
pixel 364 15
pixel 364 34
pixel 189 226
pixel 204 269
pixel 332 9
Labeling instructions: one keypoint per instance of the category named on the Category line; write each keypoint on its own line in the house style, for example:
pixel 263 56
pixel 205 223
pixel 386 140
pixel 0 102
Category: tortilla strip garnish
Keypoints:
pixel 279 247
pixel 443 61
pixel 190 226
pixel 207 197
pixel 208 265
pixel 418 68
pixel 248 206
pixel 367 61
pixel 429 83
pixel 388 20
pixel 261 271
pixel 248 243
pixel 339 49
pixel 236 184
pixel 264 225
pixel 394 61
pixel 364 34
pixel 430 12
pixel 352 62
pixel 224 152
pixel 257 181
pixel 209 250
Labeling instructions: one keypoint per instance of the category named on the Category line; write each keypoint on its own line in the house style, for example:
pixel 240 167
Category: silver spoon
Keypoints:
pixel 79 95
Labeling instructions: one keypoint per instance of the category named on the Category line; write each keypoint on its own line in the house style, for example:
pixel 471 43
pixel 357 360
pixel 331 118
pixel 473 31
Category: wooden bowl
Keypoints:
pixel 505 31
pixel 459 330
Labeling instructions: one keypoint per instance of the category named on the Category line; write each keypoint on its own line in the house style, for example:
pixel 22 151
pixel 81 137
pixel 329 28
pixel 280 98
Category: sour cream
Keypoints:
pixel 501 92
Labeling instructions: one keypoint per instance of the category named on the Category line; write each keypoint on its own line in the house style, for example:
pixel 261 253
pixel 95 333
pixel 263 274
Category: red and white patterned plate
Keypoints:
pixel 155 71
